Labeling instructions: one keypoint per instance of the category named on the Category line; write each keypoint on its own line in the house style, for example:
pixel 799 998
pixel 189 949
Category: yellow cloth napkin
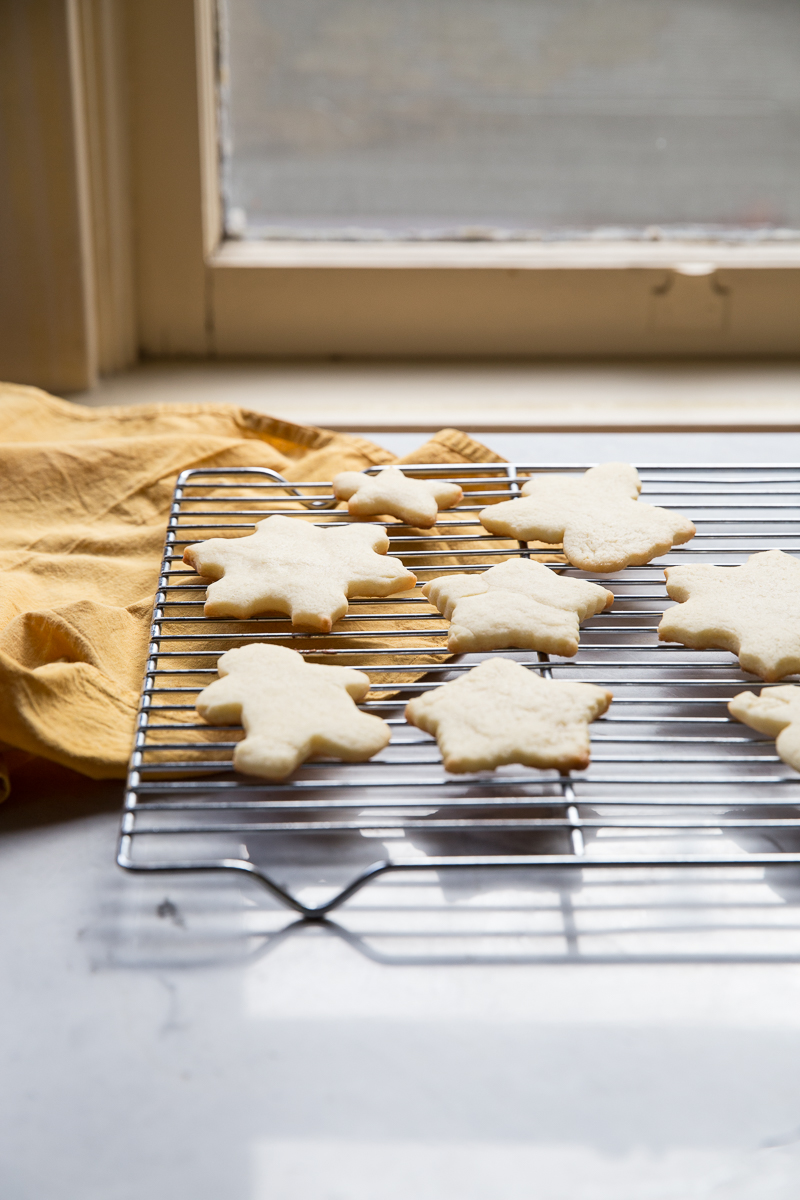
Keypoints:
pixel 85 499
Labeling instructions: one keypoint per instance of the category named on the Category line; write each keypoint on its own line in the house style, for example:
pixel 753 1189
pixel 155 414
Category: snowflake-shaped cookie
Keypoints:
pixel 518 604
pixel 597 517
pixel 752 610
pixel 290 566
pixel 391 493
pixel 290 710
pixel 500 712
pixel 776 712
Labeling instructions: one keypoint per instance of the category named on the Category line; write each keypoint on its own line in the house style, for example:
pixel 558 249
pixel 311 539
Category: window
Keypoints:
pixel 508 119
pixel 407 178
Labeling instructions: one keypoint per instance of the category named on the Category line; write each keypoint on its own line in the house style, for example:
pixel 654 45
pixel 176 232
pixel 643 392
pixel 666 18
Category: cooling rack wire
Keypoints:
pixel 674 783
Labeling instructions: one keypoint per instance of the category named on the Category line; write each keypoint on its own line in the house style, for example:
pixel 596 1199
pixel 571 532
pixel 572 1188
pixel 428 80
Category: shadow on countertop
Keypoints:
pixel 45 793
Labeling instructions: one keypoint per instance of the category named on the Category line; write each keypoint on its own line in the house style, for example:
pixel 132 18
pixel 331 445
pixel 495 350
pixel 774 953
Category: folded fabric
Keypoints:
pixel 85 499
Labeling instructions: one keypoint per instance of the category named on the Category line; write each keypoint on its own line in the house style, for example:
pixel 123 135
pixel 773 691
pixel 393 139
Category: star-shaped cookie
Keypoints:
pixel 597 517
pixel 290 566
pixel 776 712
pixel 518 604
pixel 391 493
pixel 290 710
pixel 500 712
pixel 752 610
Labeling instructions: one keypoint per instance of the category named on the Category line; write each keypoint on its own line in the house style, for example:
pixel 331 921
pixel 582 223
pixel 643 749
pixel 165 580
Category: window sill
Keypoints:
pixel 513 397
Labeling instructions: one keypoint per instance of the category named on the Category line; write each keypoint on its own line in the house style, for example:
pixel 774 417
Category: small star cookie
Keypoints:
pixel 290 710
pixel 391 493
pixel 776 712
pixel 500 712
pixel 597 516
pixel 290 566
pixel 752 610
pixel 518 604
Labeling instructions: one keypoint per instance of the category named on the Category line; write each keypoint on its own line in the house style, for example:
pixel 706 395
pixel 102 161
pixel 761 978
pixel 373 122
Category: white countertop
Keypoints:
pixel 170 1037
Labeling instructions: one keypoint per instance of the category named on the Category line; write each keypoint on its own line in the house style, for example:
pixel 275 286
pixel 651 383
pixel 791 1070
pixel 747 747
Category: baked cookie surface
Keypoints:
pixel 518 604
pixel 290 566
pixel 775 711
pixel 290 710
pixel 752 610
pixel 500 712
pixel 391 493
pixel 596 516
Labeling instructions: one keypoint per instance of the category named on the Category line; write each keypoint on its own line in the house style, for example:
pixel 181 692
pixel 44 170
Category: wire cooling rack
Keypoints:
pixel 674 782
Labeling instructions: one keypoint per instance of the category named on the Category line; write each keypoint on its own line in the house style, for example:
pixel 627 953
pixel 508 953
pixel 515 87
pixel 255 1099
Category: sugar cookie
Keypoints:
pixel 752 610
pixel 500 712
pixel 290 710
pixel 776 712
pixel 290 566
pixel 517 604
pixel 391 493
pixel 597 517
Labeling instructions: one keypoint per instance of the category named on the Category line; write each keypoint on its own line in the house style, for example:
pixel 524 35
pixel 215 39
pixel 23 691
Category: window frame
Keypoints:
pixel 203 294
pixel 140 266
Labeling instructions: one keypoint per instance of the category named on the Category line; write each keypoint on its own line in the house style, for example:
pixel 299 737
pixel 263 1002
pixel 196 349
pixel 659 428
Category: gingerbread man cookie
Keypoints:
pixel 290 710
pixel 391 493
pixel 752 610
pixel 597 517
pixel 500 713
pixel 290 566
pixel 518 604
pixel 776 712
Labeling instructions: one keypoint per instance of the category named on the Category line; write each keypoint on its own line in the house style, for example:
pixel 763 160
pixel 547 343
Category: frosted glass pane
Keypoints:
pixel 453 118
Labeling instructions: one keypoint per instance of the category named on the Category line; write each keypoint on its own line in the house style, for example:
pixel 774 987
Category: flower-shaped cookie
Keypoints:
pixel 597 517
pixel 289 566
pixel 391 493
pixel 517 604
pixel 500 712
pixel 752 610
pixel 290 710
pixel 776 712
